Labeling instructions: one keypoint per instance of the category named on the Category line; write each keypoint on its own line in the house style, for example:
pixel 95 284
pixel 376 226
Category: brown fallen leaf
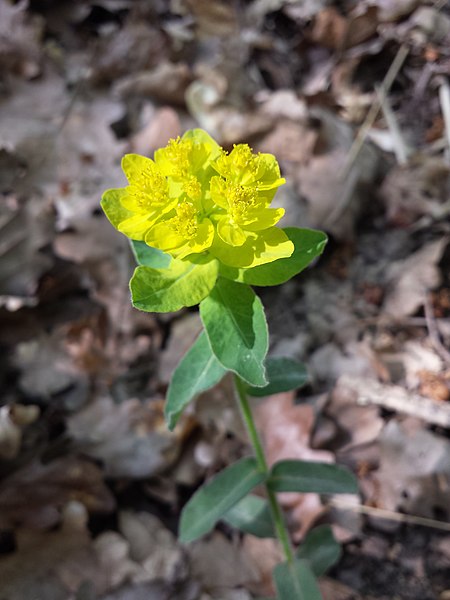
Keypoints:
pixel 35 495
pixel 163 125
pixel 410 279
pixel 13 419
pixel 418 189
pixel 286 431
pixel 414 473
pixel 234 569
pixel 166 83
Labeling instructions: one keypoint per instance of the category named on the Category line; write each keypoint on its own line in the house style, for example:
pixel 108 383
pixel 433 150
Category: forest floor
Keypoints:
pixel 353 97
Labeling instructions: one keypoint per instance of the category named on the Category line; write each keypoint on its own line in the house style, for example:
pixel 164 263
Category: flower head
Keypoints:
pixel 196 198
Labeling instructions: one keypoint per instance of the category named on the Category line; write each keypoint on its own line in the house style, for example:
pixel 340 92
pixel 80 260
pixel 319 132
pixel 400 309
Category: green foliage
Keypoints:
pixel 283 374
pixel 112 206
pixel 198 371
pixel 236 327
pixel 150 257
pixel 307 476
pixel 217 497
pixel 251 515
pixel 296 581
pixel 308 245
pixel 168 290
pixel 320 549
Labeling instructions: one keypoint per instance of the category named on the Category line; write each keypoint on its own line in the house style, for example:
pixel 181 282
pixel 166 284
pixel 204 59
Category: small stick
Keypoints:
pixel 374 109
pixel 401 150
pixel 444 99
pixel 433 331
pixel 389 515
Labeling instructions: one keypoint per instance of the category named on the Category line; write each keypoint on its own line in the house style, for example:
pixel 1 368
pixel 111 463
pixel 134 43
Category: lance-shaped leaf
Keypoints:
pixel 217 496
pixel 198 371
pixel 251 515
pixel 307 476
pixel 283 374
pixel 168 290
pixel 320 549
pixel 296 582
pixel 236 327
pixel 308 245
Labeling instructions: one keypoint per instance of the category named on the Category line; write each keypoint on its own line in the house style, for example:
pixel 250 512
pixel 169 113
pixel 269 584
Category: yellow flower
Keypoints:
pixel 195 198
pixel 183 234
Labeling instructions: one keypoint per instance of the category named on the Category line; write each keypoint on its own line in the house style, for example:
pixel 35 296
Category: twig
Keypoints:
pixel 401 150
pixel 433 331
pixel 394 397
pixel 444 99
pixel 374 109
pixel 389 514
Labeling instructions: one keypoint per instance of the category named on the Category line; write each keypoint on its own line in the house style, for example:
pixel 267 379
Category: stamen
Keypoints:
pixel 185 223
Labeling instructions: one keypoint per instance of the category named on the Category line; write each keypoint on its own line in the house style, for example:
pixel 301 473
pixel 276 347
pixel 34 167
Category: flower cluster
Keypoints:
pixel 195 198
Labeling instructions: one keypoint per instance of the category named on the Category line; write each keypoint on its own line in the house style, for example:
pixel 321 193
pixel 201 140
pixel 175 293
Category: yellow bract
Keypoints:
pixel 196 198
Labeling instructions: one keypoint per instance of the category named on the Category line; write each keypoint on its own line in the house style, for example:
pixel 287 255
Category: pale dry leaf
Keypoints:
pixel 41 562
pixel 418 189
pixel 129 438
pixel 226 123
pixel 25 230
pixel 136 46
pixel 286 430
pixel 265 554
pixel 362 425
pixel 166 83
pixel 414 473
pixel 20 37
pixel 333 201
pixel 214 17
pixel 13 419
pixel 46 369
pixel 234 569
pixel 88 159
pixel 392 10
pixel 409 280
pixel 163 125
pixel 153 546
pixel 183 333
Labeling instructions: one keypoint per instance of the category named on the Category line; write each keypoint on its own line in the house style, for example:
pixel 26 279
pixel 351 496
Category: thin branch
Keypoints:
pixel 401 150
pixel 444 99
pixel 390 515
pixel 374 109
pixel 433 331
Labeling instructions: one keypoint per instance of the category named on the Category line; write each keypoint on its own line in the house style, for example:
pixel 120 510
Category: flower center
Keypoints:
pixel 178 153
pixel 192 187
pixel 185 222
pixel 149 188
pixel 240 160
pixel 241 200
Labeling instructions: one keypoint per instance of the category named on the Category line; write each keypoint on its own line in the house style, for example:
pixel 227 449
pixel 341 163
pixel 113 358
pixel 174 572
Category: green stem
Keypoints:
pixel 277 514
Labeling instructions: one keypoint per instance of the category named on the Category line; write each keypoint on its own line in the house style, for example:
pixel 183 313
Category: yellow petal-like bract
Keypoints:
pixel 196 198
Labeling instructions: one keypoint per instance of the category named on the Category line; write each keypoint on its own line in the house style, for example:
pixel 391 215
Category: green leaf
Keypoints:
pixel 296 582
pixel 307 476
pixel 168 290
pixel 198 371
pixel 147 256
pixel 236 326
pixel 283 374
pixel 217 496
pixel 113 208
pixel 320 549
pixel 251 515
pixel 308 244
